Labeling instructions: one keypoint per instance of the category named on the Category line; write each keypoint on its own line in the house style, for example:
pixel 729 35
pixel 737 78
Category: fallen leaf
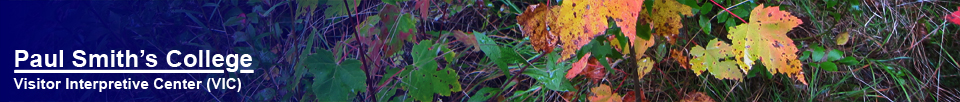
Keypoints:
pixel 467 39
pixel 645 65
pixel 603 93
pixel 680 57
pixel 424 7
pixel 954 17
pixel 535 21
pixel 594 70
pixel 843 38
pixel 696 97
pixel 630 97
pixel 578 66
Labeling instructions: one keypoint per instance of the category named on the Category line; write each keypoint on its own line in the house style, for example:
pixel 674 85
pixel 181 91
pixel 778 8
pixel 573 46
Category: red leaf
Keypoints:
pixel 578 66
pixel 954 17
pixel 424 7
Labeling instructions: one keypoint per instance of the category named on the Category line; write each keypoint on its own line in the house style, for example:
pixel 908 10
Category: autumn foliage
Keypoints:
pixel 576 22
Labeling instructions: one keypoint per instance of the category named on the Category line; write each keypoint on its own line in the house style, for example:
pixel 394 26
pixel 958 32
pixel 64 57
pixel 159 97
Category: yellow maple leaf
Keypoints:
pixel 666 18
pixel 603 93
pixel 708 59
pixel 765 39
pixel 576 22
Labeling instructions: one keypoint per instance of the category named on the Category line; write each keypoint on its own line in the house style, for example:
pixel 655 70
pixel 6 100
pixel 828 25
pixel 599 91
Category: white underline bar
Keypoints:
pixel 246 71
pixel 123 71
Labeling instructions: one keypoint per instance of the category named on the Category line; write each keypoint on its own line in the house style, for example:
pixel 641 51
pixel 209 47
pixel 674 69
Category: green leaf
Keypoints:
pixel 484 94
pixel 648 4
pixel 492 50
pixel 332 81
pixel 829 66
pixel 448 54
pixel 233 21
pixel 706 9
pixel 396 23
pixel 393 2
pixel 253 18
pixel 831 3
pixel 426 80
pixel 661 52
pixel 643 30
pixel 340 7
pixel 553 75
pixel 849 61
pixel 508 55
pixel 267 13
pixel 600 52
pixel 705 24
pixel 621 39
pixel 385 94
pixel 805 55
pixel 818 53
pixel 759 69
pixel 834 55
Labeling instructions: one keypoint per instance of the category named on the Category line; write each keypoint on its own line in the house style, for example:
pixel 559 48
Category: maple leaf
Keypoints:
pixel 696 97
pixel 666 18
pixel 427 79
pixel 954 17
pixel 680 57
pixel 603 93
pixel 577 24
pixel 708 58
pixel 574 23
pixel 625 13
pixel 765 39
pixel 340 8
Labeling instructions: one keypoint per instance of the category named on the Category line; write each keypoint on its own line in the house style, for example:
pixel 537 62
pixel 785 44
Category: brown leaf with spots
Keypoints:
pixel 535 21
